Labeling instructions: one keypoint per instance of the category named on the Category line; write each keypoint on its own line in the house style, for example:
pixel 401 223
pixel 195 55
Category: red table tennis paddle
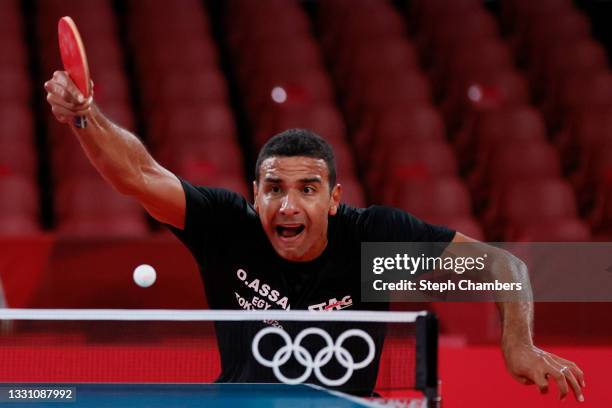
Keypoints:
pixel 74 60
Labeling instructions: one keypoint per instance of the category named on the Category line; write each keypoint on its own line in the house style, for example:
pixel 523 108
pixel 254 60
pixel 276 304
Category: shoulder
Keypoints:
pixel 382 223
pixel 214 197
pixel 207 206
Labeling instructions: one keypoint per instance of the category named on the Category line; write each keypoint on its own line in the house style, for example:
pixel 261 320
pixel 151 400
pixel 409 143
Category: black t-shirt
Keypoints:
pixel 241 270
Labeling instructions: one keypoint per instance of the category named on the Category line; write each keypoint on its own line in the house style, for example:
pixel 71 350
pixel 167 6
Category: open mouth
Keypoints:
pixel 289 231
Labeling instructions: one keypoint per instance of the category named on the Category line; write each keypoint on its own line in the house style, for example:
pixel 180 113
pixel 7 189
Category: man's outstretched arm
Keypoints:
pixel 117 154
pixel 527 363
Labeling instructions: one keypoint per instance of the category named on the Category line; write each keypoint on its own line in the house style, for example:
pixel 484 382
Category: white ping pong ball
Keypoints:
pixel 279 95
pixel 144 275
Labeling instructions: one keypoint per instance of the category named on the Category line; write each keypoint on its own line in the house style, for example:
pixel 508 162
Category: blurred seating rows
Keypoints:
pixel 19 211
pixel 282 80
pixel 190 126
pixel 83 203
pixel 497 125
pixel 466 142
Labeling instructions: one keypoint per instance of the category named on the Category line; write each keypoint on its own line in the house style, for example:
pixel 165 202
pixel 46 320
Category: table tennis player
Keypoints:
pixel 295 247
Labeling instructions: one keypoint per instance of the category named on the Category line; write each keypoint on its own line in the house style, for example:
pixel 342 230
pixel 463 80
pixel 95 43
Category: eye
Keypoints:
pixel 275 189
pixel 309 190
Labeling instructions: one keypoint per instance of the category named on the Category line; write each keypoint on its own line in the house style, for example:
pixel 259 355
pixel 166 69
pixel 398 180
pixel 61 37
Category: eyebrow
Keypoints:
pixel 303 180
pixel 272 180
pixel 310 180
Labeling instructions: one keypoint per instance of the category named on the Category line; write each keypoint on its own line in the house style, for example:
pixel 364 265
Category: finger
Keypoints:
pixel 554 370
pixel 59 110
pixel 63 79
pixel 569 375
pixel 524 380
pixel 578 373
pixel 541 382
pixel 54 99
pixel 60 90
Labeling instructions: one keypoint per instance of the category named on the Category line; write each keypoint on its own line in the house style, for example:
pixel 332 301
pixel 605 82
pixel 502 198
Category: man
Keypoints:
pixel 295 247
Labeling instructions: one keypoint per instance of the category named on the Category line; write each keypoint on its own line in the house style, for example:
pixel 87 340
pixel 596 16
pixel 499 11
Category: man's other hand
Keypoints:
pixel 530 365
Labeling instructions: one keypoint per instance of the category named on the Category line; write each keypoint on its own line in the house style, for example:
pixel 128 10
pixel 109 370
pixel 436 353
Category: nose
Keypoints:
pixel 289 204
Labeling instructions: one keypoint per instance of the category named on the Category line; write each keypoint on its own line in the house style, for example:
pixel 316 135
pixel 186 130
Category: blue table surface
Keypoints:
pixel 193 395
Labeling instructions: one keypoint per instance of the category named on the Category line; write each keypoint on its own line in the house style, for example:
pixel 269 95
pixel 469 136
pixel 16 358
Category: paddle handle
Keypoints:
pixel 80 122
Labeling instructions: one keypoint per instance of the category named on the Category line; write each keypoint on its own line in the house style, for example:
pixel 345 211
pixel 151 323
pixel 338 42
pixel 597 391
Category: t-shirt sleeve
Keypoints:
pixel 386 224
pixel 208 213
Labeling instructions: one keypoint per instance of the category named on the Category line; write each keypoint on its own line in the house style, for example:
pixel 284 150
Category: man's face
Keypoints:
pixel 293 201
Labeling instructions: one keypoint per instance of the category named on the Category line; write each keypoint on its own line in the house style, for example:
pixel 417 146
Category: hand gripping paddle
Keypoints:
pixel 74 60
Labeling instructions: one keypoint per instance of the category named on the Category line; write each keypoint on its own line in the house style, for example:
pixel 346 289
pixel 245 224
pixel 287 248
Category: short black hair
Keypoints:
pixel 298 142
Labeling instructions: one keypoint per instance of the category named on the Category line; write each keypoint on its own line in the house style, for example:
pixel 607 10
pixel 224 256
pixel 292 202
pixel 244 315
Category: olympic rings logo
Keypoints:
pixel 323 356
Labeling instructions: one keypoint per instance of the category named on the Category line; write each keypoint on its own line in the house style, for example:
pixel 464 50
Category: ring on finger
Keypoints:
pixel 563 369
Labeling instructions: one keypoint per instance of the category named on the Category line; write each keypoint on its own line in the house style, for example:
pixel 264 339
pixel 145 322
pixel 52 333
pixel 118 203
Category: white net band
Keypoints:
pixel 208 315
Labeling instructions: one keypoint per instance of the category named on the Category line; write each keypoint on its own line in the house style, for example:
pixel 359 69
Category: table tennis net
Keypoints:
pixel 182 346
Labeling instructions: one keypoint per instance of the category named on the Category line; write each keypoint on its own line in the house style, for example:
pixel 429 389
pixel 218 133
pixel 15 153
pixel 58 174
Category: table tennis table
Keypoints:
pixel 88 395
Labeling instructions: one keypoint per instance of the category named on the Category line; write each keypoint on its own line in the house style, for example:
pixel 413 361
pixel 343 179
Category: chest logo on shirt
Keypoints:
pixel 333 304
pixel 265 296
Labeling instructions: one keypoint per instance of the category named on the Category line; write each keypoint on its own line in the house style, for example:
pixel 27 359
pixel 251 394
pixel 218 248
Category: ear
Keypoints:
pixel 334 200
pixel 255 194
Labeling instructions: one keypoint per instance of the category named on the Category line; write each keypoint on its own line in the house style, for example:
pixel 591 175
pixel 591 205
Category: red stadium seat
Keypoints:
pixel 600 217
pixel 407 163
pixel 20 196
pixel 265 59
pixel 585 131
pixel 68 160
pixel 345 164
pixel 176 13
pixel 352 192
pixel 111 86
pixel 516 13
pixel 528 202
pixel 186 87
pixel 176 55
pixel 301 88
pixel 520 123
pixel 563 59
pixel 449 31
pixel 373 57
pixel 18 159
pixel 92 197
pixel 512 162
pixel 16 86
pixel 322 118
pixel 424 12
pixel 558 230
pixel 442 197
pixel 14 55
pixel 398 125
pixel 199 158
pixel 481 55
pixel 559 28
pixel 198 122
pixel 594 173
pixel 265 23
pixel 482 91
pixel 379 93
pixel 11 22
pixel 115 227
pixel 588 91
pixel 360 26
pixel 18 225
pixel 194 42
